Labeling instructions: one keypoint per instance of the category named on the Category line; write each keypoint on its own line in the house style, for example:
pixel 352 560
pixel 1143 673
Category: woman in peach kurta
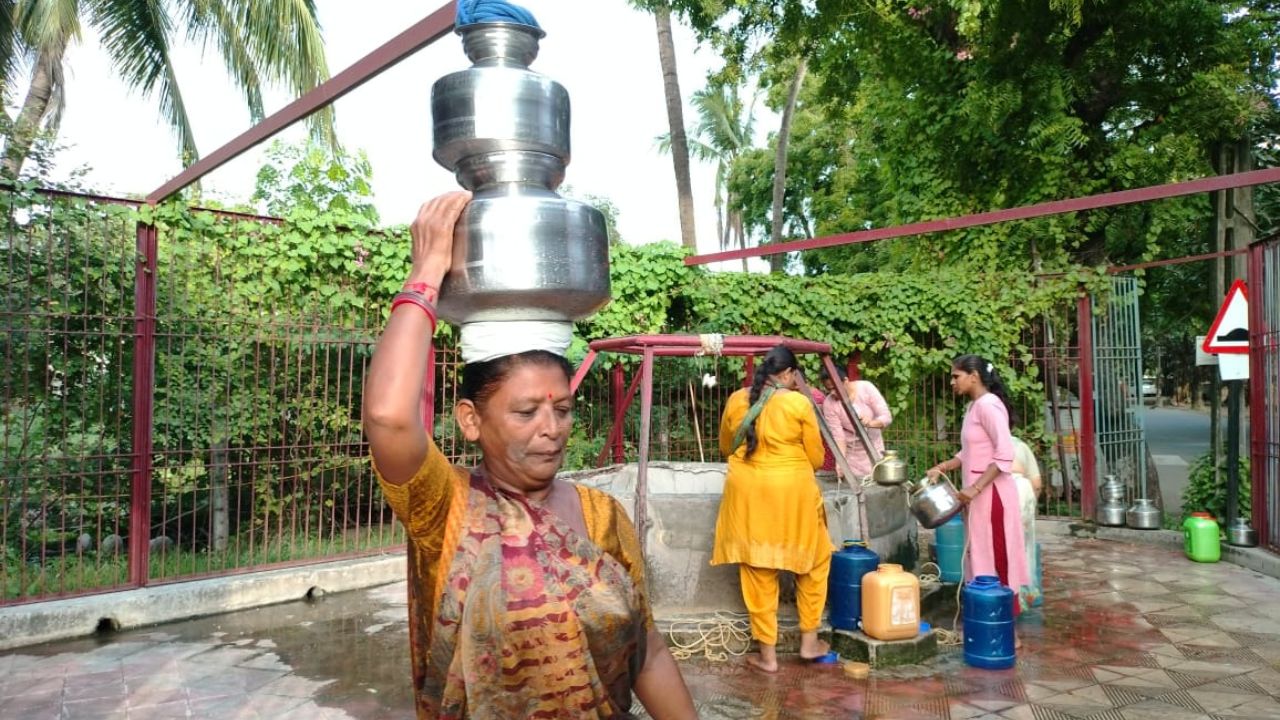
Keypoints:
pixel 872 411
pixel 985 460
pixel 771 514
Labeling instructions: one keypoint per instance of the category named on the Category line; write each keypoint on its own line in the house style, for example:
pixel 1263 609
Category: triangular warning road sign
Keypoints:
pixel 1229 332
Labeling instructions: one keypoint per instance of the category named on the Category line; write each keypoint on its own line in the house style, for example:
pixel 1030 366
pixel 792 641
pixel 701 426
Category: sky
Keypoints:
pixel 602 51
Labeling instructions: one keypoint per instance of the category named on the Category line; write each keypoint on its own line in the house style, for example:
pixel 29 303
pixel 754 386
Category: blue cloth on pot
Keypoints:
pixel 480 11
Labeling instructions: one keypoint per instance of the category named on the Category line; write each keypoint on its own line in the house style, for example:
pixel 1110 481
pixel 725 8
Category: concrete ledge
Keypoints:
pixel 884 653
pixel 51 620
pixel 1256 559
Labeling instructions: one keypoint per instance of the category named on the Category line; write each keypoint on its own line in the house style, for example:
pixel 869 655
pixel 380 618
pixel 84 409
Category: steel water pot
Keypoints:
pixel 1111 514
pixel 934 502
pixel 1240 534
pixel 527 256
pixel 1144 515
pixel 498 104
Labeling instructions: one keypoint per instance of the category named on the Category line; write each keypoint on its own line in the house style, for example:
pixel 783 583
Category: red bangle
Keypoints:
pixel 426 290
pixel 413 298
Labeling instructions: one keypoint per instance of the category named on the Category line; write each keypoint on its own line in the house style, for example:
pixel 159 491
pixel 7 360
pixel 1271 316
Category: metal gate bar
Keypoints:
pixel 1118 409
pixel 1264 388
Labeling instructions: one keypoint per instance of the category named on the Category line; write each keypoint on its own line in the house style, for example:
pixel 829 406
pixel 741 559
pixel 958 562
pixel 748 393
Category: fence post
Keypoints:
pixel 1086 443
pixel 1259 283
pixel 144 355
pixel 617 386
pixel 642 469
pixel 427 402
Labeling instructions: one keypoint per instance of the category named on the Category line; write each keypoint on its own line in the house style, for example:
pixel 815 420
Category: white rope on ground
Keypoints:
pixel 725 635
pixel 945 636
pixel 930 578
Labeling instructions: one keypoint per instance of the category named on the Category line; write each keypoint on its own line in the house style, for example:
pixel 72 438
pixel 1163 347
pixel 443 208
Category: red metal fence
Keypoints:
pixel 1264 388
pixel 165 411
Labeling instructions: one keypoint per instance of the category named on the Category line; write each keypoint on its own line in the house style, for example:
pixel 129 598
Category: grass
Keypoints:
pixel 71 574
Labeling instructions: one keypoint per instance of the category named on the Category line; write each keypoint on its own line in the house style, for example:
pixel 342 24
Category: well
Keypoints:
pixel 682 502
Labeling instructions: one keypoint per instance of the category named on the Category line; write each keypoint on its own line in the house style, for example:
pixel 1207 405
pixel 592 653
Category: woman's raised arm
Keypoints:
pixel 393 387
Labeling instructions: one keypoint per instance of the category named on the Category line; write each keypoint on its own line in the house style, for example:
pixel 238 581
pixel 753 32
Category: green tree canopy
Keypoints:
pixel 921 110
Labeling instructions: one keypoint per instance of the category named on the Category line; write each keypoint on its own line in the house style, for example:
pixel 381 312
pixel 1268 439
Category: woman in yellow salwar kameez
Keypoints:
pixel 527 593
pixel 771 515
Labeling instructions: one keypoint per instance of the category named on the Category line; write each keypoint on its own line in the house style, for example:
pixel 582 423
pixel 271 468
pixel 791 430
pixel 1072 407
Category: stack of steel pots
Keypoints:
pixel 521 252
pixel 1111 511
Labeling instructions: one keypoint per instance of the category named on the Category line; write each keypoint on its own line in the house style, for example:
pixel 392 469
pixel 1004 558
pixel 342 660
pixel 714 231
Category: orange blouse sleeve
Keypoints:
pixel 422 504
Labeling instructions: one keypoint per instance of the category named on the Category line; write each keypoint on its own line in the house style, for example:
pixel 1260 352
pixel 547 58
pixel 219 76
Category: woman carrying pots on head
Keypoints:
pixel 872 410
pixel 527 593
pixel 994 523
pixel 771 515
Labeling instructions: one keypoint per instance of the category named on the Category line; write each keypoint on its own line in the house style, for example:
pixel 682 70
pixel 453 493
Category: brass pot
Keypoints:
pixel 891 470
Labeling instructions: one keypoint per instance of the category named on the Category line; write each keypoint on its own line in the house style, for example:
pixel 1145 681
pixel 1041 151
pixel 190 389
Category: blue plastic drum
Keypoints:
pixel 844 585
pixel 948 543
pixel 988 624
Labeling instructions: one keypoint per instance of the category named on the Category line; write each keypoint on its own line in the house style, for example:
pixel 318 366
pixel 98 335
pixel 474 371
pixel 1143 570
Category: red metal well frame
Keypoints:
pixel 650 347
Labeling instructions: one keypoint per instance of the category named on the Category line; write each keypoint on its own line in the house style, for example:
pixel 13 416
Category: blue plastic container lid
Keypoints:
pixel 925 627
pixel 829 659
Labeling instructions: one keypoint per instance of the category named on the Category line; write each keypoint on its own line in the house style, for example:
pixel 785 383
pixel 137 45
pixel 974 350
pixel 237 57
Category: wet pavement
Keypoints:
pixel 1127 632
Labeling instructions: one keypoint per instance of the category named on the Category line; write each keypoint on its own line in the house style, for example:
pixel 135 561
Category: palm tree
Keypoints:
pixel 777 262
pixel 260 41
pixel 661 10
pixel 724 130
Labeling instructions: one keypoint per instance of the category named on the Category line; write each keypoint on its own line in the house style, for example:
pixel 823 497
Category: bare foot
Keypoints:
pixel 761 664
pixel 811 648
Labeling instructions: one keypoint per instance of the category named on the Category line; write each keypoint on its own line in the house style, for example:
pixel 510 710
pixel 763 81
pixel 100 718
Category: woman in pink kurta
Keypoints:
pixel 994 522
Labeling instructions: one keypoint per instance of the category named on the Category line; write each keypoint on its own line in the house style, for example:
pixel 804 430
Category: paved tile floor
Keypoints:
pixel 1127 632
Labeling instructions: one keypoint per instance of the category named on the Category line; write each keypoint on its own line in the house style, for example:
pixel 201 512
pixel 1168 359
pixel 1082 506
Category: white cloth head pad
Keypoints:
pixel 484 341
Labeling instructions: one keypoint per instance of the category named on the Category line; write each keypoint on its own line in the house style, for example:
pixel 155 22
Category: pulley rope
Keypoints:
pixel 725 635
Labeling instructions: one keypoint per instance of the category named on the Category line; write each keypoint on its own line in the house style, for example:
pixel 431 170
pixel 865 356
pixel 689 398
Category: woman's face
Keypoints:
pixel 963 382
pixel 523 426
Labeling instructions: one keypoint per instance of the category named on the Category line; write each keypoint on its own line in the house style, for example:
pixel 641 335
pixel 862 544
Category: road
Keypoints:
pixel 1176 437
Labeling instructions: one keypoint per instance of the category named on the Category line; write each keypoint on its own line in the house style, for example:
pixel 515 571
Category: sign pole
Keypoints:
pixel 1228 336
pixel 1234 388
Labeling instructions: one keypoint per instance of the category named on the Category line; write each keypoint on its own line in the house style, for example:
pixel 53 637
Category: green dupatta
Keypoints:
pixel 740 436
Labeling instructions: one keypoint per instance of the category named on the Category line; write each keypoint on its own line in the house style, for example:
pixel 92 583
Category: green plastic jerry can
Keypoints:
pixel 1200 538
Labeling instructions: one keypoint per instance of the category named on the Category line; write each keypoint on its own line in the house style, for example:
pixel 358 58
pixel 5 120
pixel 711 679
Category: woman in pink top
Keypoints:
pixel 872 410
pixel 994 522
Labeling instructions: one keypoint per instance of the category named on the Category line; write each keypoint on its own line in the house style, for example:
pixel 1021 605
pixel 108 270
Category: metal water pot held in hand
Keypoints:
pixel 521 252
pixel 934 502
